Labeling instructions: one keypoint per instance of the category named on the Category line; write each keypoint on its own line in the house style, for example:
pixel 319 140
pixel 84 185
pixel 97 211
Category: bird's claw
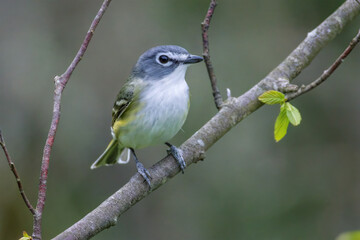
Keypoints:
pixel 144 172
pixel 177 154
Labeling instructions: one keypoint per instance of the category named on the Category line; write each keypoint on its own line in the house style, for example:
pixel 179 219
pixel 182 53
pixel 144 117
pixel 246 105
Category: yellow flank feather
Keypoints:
pixel 120 123
pixel 127 117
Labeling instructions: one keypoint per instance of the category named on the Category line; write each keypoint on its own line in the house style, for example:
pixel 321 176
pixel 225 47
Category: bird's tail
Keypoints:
pixel 114 153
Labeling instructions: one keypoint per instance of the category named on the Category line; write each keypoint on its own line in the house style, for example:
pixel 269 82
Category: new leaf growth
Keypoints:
pixel 288 113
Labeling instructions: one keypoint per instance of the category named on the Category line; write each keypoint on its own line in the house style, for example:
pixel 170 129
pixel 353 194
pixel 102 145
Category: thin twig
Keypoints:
pixel 205 28
pixel 327 73
pixel 60 83
pixel 17 177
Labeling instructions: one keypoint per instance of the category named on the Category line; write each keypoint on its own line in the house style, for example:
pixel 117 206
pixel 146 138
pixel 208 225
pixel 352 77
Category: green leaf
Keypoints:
pixel 281 124
pixel 272 97
pixel 25 236
pixel 349 236
pixel 293 114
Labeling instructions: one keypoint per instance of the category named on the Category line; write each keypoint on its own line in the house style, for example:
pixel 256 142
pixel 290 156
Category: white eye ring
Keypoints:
pixel 164 63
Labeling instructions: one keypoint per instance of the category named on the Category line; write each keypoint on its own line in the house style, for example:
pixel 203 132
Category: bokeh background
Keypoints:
pixel 305 187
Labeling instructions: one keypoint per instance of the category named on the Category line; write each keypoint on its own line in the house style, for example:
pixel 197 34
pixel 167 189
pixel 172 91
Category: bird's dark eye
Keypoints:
pixel 163 59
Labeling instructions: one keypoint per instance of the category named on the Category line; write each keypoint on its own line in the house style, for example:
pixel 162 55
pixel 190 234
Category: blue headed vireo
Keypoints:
pixel 151 107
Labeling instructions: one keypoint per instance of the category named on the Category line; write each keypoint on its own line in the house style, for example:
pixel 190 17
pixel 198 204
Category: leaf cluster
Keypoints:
pixel 288 113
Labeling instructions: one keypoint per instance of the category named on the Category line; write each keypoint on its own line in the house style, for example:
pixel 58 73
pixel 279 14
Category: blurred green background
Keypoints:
pixel 249 187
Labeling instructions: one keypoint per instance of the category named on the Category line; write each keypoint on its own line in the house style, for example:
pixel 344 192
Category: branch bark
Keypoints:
pixel 233 111
pixel 60 83
pixel 327 73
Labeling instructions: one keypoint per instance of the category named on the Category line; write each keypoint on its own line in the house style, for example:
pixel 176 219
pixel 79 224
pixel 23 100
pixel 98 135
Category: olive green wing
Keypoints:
pixel 127 96
pixel 123 100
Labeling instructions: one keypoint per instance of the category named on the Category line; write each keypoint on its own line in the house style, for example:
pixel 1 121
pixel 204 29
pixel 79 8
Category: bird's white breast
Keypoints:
pixel 165 107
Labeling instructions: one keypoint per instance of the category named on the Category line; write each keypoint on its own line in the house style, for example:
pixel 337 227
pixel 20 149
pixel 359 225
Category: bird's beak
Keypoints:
pixel 193 59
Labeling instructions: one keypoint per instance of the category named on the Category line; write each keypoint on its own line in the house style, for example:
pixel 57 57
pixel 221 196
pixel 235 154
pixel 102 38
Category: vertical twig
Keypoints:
pixel 17 177
pixel 60 83
pixel 327 73
pixel 205 28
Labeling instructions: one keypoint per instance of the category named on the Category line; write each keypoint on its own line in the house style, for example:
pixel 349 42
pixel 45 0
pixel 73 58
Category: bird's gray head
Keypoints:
pixel 158 62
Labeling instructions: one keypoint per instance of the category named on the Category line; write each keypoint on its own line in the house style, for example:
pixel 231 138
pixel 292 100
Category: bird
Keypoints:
pixel 151 107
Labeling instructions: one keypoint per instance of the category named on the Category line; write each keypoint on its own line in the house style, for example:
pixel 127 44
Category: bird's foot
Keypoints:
pixel 143 172
pixel 177 154
pixel 141 169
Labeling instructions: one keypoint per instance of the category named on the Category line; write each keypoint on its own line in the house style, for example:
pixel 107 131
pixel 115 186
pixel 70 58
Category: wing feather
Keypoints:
pixel 127 95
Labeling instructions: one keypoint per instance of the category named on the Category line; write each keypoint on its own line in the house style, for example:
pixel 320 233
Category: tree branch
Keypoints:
pixel 60 83
pixel 327 73
pixel 17 177
pixel 233 111
pixel 210 69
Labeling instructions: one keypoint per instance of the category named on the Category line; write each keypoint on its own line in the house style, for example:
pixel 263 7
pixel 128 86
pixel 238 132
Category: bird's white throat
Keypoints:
pixel 171 88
